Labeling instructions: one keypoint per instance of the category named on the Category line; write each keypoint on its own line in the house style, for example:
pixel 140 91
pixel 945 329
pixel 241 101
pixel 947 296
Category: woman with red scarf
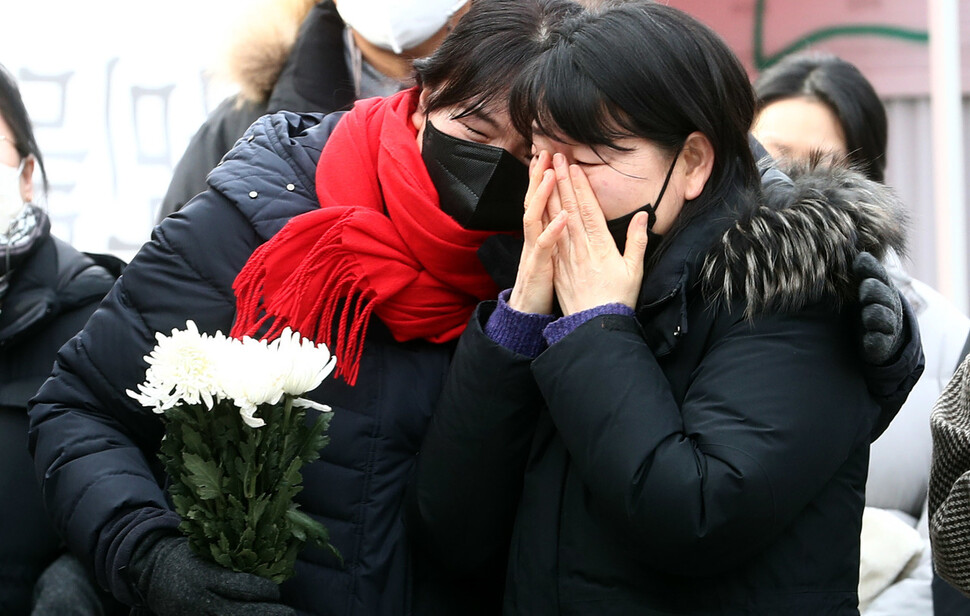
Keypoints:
pixel 362 231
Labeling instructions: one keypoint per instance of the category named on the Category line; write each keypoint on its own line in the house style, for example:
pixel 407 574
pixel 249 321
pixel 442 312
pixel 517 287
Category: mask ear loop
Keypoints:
pixel 652 209
pixel 356 60
pixel 20 170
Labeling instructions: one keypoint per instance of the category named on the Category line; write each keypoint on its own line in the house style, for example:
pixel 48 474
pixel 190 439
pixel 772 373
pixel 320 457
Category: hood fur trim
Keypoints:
pixel 261 42
pixel 798 246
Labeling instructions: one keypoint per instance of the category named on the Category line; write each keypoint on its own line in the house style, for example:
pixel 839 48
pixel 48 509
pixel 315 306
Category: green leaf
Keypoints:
pixel 204 476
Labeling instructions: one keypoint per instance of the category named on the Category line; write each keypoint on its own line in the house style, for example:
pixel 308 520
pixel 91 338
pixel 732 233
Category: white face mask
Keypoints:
pixel 395 24
pixel 11 203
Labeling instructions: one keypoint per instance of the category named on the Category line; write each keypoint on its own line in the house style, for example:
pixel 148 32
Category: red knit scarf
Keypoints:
pixel 378 244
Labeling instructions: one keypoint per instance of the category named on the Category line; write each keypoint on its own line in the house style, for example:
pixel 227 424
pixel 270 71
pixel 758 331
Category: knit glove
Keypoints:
pixel 173 581
pixel 881 310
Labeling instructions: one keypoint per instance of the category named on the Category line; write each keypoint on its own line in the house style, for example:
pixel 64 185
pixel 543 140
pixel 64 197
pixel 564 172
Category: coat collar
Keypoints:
pixel 55 278
pixel 782 249
pixel 662 305
pixel 32 293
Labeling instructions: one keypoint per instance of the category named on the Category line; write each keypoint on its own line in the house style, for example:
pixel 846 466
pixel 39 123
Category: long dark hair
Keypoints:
pixel 643 69
pixel 15 115
pixel 841 87
pixel 490 45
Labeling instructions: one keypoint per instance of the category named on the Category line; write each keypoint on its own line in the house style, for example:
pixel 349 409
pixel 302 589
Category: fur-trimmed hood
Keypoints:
pixel 262 40
pixel 797 247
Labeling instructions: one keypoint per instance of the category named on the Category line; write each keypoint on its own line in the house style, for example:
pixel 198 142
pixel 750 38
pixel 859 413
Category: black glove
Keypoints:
pixel 881 310
pixel 173 581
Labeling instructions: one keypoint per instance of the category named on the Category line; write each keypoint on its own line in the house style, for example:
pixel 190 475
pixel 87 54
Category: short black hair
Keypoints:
pixel 841 87
pixel 494 41
pixel 643 69
pixel 14 113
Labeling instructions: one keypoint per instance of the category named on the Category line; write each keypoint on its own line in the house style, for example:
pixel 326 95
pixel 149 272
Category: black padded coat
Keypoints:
pixel 95 448
pixel 690 460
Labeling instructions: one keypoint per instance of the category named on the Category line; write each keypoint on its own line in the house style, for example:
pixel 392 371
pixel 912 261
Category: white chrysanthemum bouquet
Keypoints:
pixel 236 437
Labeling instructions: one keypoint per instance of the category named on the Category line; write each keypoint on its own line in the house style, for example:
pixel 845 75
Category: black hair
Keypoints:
pixel 475 64
pixel 15 115
pixel 841 87
pixel 647 70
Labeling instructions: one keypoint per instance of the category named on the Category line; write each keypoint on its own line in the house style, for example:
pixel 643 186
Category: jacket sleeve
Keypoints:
pixel 773 409
pixel 890 384
pixel 462 501
pixel 94 448
pixel 215 137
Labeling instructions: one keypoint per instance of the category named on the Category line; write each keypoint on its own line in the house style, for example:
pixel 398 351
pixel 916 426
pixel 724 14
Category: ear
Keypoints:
pixel 698 155
pixel 420 112
pixel 27 180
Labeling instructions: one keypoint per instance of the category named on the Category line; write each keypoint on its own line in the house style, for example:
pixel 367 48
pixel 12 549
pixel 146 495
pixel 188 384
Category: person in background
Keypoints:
pixel 343 51
pixel 949 501
pixel 668 412
pixel 817 104
pixel 380 213
pixel 47 291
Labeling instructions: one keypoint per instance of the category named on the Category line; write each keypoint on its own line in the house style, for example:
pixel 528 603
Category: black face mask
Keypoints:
pixel 618 226
pixel 480 186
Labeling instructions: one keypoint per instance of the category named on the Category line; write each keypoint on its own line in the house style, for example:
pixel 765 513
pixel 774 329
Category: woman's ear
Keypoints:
pixel 27 180
pixel 698 155
pixel 420 112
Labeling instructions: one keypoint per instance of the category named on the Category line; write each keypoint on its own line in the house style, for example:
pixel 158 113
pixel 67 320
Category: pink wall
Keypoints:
pixel 886 39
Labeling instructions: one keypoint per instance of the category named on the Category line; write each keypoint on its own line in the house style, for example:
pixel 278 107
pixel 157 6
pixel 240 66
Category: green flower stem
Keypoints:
pixel 287 428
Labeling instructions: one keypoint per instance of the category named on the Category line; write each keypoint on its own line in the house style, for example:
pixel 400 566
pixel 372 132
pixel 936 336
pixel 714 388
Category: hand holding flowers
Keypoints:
pixel 236 439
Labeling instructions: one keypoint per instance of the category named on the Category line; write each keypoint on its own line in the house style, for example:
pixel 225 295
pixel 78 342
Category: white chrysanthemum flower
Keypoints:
pixel 182 368
pixel 250 377
pixel 302 364
pixel 193 368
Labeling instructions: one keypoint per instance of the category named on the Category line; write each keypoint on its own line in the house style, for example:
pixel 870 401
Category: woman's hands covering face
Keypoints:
pixel 568 252
pixel 542 226
pixel 589 271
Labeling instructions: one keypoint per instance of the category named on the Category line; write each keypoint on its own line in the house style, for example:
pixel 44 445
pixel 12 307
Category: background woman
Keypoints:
pixel 667 413
pixel 820 104
pixel 47 291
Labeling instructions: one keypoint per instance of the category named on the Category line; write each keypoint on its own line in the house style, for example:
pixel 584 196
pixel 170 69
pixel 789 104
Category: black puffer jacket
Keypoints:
pixel 95 448
pixel 313 79
pixel 50 297
pixel 690 460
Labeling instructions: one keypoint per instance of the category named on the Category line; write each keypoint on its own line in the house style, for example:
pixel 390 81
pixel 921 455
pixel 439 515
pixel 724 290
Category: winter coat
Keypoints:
pixel 309 76
pixel 705 457
pixel 96 448
pixel 50 297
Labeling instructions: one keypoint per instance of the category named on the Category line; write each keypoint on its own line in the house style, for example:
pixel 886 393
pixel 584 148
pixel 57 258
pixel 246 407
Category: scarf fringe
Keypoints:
pixel 331 274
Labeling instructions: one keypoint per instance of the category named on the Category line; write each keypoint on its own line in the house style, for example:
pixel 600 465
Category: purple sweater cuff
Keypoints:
pixel 562 327
pixel 519 332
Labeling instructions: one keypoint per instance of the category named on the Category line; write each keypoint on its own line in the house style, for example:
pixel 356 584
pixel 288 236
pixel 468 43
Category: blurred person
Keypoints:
pixel 949 500
pixel 343 51
pixel 47 291
pixel 379 214
pixel 668 412
pixel 817 104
